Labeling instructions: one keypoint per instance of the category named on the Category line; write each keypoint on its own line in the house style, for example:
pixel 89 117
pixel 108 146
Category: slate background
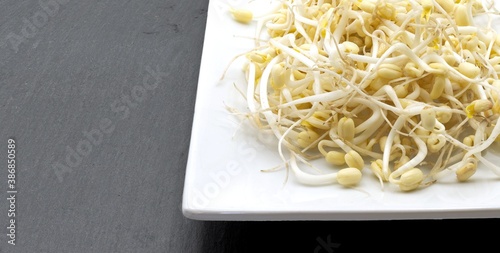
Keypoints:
pixel 77 68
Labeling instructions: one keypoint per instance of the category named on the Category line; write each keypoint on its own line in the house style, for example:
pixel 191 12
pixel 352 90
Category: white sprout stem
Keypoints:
pixel 274 26
pixel 416 160
pixel 372 99
pixel 336 139
pixel 310 179
pixel 337 34
pixel 387 89
pixel 327 96
pixel 316 89
pixel 251 88
pixel 302 58
pixel 478 138
pixel 370 123
pixel 288 97
pixel 301 18
pixel 493 167
pixel 264 102
pixel 436 58
pixel 297 83
pixel 479 91
pixel 485 144
pixel 388 144
pixel 372 60
pixel 440 175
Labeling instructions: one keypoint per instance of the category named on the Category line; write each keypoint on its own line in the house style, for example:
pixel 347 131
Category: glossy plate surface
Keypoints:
pixel 224 179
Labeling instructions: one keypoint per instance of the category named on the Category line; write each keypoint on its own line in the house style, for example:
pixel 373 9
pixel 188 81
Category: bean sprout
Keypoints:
pixel 334 78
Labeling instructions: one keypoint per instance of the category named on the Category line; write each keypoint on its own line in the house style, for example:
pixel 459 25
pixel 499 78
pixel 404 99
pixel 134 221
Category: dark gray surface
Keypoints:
pixel 125 193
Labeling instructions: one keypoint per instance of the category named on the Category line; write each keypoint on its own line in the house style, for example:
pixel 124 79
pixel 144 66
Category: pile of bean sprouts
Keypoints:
pixel 408 89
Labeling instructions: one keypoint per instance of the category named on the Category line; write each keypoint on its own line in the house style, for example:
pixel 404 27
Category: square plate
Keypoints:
pixel 224 179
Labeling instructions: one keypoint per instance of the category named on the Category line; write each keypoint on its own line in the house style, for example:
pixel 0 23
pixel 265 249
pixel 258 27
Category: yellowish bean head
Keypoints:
pixel 335 158
pixel 466 171
pixel 354 160
pixel 349 177
pixel 242 15
pixel 411 180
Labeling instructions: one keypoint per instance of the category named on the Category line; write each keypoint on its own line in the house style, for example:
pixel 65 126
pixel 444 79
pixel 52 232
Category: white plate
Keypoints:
pixel 224 179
